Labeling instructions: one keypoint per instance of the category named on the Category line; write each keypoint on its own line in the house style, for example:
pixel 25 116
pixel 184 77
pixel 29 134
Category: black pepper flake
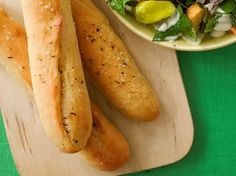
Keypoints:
pixel 76 78
pixel 117 82
pixel 90 60
pixel 82 82
pixel 97 73
pixel 122 73
pixel 75 141
pixel 97 29
pixel 9 57
pixel 93 40
pixel 50 43
pixel 94 125
pixel 101 49
pixel 103 64
pixel 72 113
pixel 60 71
pixel 64 124
pixel 112 46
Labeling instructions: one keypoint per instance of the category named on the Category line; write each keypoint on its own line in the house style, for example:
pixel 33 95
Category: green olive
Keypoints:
pixel 148 12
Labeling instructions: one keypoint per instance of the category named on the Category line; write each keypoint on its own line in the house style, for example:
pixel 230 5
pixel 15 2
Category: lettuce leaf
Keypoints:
pixel 172 31
pixel 211 22
pixel 185 25
pixel 233 17
pixel 228 6
pixel 119 5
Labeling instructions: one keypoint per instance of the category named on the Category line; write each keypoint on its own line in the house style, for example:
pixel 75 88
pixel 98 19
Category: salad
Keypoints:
pixel 191 20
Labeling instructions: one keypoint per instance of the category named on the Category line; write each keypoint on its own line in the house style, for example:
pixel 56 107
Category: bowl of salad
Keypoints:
pixel 189 25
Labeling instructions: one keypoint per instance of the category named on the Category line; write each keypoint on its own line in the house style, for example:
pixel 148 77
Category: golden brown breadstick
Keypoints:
pixel 13 44
pixel 110 65
pixel 57 75
pixel 106 148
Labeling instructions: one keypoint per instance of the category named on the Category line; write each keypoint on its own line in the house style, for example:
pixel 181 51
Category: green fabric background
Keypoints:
pixel 210 82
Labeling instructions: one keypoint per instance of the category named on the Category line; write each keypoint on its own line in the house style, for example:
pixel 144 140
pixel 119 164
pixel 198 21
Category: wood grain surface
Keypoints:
pixel 153 144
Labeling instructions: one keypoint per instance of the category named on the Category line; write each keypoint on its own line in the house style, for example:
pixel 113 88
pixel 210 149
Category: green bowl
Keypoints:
pixel 207 43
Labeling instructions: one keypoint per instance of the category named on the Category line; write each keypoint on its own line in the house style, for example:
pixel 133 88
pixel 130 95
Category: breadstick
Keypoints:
pixel 110 65
pixel 106 149
pixel 57 75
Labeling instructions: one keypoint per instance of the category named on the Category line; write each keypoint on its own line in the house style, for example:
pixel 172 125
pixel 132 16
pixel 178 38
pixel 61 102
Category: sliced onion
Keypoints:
pixel 128 8
pixel 222 26
pixel 173 19
pixel 217 33
pixel 201 1
pixel 163 27
pixel 169 22
pixel 224 19
pixel 220 10
pixel 171 38
pixel 212 5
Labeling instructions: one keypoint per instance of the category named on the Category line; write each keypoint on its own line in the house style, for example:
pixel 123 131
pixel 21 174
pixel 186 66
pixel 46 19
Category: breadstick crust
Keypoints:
pixel 110 65
pixel 13 47
pixel 106 149
pixel 57 75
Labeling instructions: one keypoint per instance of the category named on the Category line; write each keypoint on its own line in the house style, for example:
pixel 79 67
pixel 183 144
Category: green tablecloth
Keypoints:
pixel 210 82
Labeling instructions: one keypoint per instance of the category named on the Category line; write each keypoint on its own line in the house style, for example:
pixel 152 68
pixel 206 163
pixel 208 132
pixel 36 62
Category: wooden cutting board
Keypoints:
pixel 153 144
